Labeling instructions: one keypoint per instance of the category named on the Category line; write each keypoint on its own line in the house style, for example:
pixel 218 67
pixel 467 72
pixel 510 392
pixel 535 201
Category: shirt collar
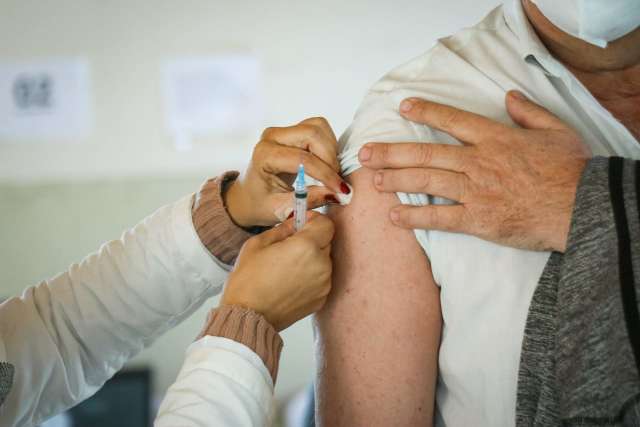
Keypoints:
pixel 531 48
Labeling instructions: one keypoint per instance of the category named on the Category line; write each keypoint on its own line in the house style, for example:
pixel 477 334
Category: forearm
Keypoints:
pixel 79 328
pixel 228 374
pixel 221 381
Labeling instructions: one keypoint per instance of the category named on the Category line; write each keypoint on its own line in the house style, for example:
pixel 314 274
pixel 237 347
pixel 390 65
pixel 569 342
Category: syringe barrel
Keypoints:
pixel 300 209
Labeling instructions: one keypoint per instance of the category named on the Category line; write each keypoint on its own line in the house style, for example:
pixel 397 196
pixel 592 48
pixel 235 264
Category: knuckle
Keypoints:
pixel 433 217
pixel 267 134
pixel 463 188
pixel 384 152
pixel 467 222
pixel 253 242
pixel 450 119
pixel 467 162
pixel 423 154
pixel 312 130
pixel 264 150
pixel 319 121
pixel 423 180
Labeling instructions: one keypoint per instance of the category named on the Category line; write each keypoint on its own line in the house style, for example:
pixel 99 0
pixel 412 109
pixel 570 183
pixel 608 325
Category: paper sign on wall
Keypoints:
pixel 212 95
pixel 45 100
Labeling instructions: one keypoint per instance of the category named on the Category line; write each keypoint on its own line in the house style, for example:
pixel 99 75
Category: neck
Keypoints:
pixel 612 74
pixel 619 56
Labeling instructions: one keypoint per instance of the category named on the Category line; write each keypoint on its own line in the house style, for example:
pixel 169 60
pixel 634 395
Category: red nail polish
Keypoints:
pixel 331 199
pixel 345 188
pixel 290 215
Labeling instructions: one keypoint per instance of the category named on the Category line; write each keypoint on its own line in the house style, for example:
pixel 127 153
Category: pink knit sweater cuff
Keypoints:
pixel 213 224
pixel 249 328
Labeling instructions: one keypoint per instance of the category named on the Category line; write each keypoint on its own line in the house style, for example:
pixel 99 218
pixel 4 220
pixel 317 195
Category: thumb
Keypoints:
pixel 278 233
pixel 530 115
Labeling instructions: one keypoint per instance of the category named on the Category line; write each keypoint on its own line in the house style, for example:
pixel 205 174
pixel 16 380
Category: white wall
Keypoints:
pixel 319 57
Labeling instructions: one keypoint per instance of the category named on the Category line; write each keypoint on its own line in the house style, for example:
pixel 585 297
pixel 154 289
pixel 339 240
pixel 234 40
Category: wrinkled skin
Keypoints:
pixel 514 186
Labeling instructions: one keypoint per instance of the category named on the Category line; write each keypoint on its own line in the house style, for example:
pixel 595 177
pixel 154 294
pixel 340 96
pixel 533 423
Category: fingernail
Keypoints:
pixel 290 215
pixel 394 215
pixel 331 199
pixel 406 105
pixel 345 198
pixel 345 188
pixel 518 95
pixel 377 179
pixel 365 153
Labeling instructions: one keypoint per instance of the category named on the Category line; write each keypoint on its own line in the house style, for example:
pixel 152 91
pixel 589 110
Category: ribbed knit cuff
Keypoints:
pixel 249 328
pixel 213 224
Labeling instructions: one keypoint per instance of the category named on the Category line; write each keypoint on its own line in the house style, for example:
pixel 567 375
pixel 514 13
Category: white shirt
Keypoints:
pixel 67 336
pixel 485 288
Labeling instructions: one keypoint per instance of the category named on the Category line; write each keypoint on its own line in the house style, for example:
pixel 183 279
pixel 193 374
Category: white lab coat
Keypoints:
pixel 68 335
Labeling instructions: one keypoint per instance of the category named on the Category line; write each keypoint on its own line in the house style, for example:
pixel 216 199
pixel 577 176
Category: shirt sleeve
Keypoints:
pixel 378 120
pixel 68 335
pixel 247 327
pixel 213 223
pixel 222 383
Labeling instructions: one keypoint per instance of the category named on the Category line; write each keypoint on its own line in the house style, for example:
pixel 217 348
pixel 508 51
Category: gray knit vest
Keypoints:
pixel 6 380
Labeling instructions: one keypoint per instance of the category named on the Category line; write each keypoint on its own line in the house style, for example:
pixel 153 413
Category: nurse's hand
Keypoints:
pixel 263 195
pixel 514 186
pixel 284 275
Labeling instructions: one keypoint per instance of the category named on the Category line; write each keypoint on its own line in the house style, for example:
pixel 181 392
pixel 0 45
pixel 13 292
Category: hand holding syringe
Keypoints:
pixel 263 196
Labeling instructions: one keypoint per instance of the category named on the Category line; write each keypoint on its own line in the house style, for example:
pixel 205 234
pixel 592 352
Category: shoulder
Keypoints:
pixel 451 57
pixel 463 70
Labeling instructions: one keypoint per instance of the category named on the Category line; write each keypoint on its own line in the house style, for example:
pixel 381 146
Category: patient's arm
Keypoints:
pixel 378 335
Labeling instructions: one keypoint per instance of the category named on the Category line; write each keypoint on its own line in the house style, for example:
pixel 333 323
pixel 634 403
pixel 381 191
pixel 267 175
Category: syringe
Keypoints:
pixel 300 192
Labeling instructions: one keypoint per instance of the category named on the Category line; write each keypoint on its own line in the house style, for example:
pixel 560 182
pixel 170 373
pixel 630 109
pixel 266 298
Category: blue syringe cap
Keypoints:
pixel 299 185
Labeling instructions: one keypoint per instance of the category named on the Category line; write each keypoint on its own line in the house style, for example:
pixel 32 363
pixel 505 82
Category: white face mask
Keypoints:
pixel 594 21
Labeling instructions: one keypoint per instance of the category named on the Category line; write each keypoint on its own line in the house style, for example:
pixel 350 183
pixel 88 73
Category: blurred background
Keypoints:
pixel 111 109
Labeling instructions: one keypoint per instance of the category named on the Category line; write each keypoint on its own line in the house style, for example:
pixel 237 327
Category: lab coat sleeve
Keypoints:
pixel 221 383
pixel 68 335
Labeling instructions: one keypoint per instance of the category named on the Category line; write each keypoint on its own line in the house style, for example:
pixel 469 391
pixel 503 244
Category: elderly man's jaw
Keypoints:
pixel 579 54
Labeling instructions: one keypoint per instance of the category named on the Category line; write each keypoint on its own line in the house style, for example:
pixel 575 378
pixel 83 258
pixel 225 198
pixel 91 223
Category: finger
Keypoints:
pixel 462 125
pixel 277 233
pixel 530 115
pixel 436 182
pixel 323 124
pixel 278 159
pixel 310 135
pixel 319 228
pixel 317 196
pixel 414 155
pixel 432 217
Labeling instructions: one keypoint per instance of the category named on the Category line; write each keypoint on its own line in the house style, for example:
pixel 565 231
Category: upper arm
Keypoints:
pixel 378 335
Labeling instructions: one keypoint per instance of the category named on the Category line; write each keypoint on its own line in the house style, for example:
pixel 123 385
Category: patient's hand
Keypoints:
pixel 515 186
pixel 378 335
